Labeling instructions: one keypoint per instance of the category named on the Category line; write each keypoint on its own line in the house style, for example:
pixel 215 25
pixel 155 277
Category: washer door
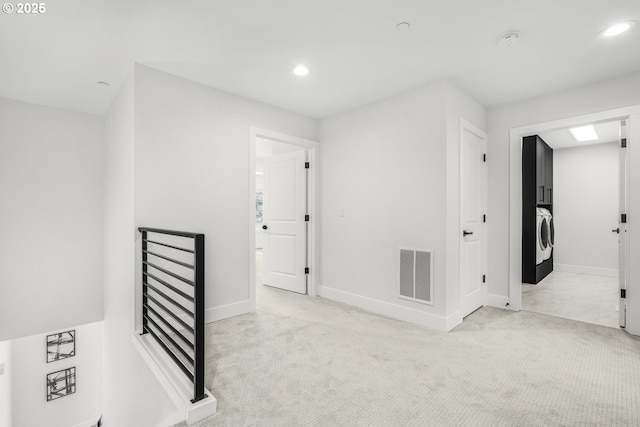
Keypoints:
pixel 543 234
pixel 551 232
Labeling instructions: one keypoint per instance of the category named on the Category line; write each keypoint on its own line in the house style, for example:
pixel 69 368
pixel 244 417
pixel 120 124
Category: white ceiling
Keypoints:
pixel 355 54
pixel 562 138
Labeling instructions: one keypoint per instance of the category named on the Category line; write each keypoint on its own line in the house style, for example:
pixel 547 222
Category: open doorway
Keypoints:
pixel 576 225
pixel 282 229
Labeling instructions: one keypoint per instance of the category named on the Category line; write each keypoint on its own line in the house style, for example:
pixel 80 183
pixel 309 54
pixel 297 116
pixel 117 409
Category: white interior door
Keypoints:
pixel 285 229
pixel 623 200
pixel 473 202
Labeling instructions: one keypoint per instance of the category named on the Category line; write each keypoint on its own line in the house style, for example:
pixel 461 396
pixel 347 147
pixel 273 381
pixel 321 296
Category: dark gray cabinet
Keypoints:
pixel 537 191
pixel 544 171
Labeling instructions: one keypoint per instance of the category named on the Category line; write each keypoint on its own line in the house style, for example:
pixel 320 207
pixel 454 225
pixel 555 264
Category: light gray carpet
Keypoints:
pixel 302 361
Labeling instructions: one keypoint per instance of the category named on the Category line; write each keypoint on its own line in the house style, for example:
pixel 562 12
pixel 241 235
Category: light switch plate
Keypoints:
pixel 1 368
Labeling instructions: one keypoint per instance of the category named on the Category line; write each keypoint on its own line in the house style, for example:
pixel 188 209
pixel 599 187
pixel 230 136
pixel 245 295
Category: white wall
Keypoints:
pixel 50 220
pixel 393 167
pixel 597 97
pixel 192 172
pixel 131 394
pixel 30 369
pixel 585 205
pixel 6 403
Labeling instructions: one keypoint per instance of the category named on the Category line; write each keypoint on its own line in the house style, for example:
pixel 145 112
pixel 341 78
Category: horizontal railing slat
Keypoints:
pixel 169 299
pixel 170 286
pixel 175 261
pixel 169 273
pixel 167 350
pixel 171 340
pixel 170 313
pixel 170 326
pixel 170 246
pixel 169 232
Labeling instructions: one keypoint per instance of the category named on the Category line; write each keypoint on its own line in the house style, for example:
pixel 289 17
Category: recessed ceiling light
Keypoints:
pixel 105 84
pixel 584 133
pixel 301 71
pixel 403 26
pixel 509 39
pixel 617 29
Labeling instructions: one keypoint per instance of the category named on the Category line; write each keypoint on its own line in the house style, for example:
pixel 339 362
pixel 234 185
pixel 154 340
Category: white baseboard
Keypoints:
pixel 498 301
pixel 580 269
pixel 214 314
pixel 395 311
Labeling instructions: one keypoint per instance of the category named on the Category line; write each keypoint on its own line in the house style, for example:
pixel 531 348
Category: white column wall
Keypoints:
pixel 132 396
pixel 50 219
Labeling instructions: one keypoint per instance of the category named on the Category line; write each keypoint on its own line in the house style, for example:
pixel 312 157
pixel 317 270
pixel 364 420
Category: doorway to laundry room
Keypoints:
pixel 573 222
pixel 282 232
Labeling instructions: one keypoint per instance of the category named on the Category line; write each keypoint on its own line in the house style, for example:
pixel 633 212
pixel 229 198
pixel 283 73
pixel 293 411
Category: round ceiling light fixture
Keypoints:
pixel 104 84
pixel 301 70
pixel 509 39
pixel 617 29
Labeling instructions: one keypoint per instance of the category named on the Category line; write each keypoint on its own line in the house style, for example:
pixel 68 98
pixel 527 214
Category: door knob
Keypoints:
pixel 264 227
pixel 616 230
pixel 466 233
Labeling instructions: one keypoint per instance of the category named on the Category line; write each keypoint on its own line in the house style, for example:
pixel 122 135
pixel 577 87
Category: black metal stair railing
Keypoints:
pixel 173 298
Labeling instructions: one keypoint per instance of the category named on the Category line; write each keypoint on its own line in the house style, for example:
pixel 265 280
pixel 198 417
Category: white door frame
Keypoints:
pixel 515 196
pixel 312 147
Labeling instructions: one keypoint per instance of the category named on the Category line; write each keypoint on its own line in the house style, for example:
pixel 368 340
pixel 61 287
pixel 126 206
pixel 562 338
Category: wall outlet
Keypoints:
pixel 341 212
pixel 1 368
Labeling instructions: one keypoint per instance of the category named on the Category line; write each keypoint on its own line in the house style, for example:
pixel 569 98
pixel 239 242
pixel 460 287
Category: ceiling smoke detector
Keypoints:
pixel 403 26
pixel 509 39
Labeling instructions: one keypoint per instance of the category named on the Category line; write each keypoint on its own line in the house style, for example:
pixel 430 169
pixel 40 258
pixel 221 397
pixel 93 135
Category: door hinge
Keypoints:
pixel 306 270
pixel 623 219
pixel 623 142
pixel 623 293
pixel 484 157
pixel 484 218
pixel 484 278
pixel 306 218
pixel 306 165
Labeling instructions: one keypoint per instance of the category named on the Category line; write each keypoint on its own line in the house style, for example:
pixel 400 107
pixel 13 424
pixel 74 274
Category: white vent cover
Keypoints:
pixel 416 275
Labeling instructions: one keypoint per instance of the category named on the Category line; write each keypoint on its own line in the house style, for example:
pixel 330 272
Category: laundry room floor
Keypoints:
pixel 591 299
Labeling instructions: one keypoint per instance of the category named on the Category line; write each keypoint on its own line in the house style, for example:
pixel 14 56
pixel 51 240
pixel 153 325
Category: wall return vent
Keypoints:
pixel 416 275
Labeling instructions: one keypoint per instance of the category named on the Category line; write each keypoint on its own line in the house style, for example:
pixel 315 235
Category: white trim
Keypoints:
pixel 515 186
pixel 312 147
pixel 498 301
pixel 221 312
pixel 394 311
pixel 582 269
pixel 91 422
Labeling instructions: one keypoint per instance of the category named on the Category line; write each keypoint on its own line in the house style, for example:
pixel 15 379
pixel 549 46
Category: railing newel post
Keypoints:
pixel 145 289
pixel 198 321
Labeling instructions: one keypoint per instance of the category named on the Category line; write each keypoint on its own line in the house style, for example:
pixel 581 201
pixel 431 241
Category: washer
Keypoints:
pixel 541 236
pixel 546 233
